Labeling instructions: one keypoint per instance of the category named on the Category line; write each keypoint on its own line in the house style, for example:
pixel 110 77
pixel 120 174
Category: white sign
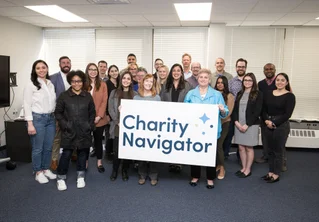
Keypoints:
pixel 168 132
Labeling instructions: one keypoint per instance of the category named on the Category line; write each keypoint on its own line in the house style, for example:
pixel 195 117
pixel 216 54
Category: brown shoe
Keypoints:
pixel 54 165
pixel 261 160
pixel 153 182
pixel 141 181
pixel 222 173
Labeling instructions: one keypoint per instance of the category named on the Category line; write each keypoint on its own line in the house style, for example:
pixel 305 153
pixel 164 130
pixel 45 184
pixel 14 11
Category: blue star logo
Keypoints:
pixel 204 118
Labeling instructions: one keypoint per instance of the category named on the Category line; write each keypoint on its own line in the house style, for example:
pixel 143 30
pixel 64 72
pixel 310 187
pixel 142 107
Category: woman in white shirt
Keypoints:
pixel 39 105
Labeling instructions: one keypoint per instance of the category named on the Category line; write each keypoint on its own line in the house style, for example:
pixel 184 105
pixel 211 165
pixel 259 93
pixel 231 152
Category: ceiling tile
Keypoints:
pixel 35 19
pixel 264 16
pixel 70 2
pixel 215 17
pixel 273 6
pixel 161 17
pixel 313 22
pixel 5 3
pixel 98 18
pixel 139 24
pixel 109 24
pixel 195 23
pixel 308 6
pixel 129 18
pixel 166 23
pixel 30 2
pixel 257 23
pixel 17 11
pixel 234 23
pixel 229 6
pixel 52 25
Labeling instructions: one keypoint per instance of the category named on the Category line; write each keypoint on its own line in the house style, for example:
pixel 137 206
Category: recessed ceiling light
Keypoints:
pixel 317 18
pixel 193 11
pixel 57 13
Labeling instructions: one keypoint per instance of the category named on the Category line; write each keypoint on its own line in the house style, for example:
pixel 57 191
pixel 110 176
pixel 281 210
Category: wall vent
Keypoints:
pixel 303 133
pixel 108 2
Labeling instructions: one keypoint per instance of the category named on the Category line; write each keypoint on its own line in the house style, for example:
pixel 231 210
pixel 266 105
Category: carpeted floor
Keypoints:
pixel 294 198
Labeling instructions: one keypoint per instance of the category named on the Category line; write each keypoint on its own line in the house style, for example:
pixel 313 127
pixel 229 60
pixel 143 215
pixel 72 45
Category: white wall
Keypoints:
pixel 22 42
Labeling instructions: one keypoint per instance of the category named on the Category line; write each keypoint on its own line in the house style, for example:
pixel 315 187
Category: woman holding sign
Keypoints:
pixel 205 94
pixel 175 90
pixel 147 91
pixel 124 91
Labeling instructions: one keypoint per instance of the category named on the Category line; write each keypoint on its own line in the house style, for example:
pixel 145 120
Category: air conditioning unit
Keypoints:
pixel 302 135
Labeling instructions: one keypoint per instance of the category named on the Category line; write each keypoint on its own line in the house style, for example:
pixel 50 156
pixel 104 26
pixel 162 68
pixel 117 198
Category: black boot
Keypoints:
pixel 113 175
pixel 124 175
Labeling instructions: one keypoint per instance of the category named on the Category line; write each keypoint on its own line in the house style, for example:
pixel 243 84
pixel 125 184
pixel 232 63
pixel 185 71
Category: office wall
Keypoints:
pixel 22 42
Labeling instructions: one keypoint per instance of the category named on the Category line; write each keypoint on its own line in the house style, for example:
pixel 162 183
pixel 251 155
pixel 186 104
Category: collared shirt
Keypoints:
pixel 104 78
pixel 40 101
pixel 235 85
pixel 187 74
pixel 270 81
pixel 192 81
pixel 65 81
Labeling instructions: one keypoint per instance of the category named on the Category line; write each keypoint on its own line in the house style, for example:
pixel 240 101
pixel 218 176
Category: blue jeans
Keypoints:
pixel 42 141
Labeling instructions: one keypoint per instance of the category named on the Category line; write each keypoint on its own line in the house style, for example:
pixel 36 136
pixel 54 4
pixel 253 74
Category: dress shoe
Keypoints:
pixel 272 180
pixel 208 186
pixel 113 175
pixel 266 177
pixel 54 165
pixel 124 175
pixel 243 175
pixel 193 184
pixel 154 182
pixel 238 173
pixel 141 181
pixel 222 173
pixel 93 154
pixel 101 169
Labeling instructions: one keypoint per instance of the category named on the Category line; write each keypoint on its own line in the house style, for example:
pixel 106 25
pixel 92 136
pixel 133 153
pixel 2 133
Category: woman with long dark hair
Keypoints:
pixel 247 110
pixel 39 104
pixel 222 86
pixel 75 112
pixel 98 90
pixel 124 91
pixel 175 90
pixel 279 105
pixel 112 83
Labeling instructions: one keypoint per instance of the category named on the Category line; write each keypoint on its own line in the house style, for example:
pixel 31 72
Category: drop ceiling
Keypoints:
pixel 159 13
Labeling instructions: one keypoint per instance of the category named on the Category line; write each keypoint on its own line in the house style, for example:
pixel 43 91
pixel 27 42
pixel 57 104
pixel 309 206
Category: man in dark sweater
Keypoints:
pixel 264 85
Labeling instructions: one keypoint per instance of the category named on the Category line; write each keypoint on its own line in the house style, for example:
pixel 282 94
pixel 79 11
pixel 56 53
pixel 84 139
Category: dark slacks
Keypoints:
pixel 98 138
pixel 116 160
pixel 229 138
pixel 65 162
pixel 210 172
pixel 276 141
pixel 220 151
pixel 108 141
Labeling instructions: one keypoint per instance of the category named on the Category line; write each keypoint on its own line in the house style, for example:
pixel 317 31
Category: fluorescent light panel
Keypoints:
pixel 56 12
pixel 317 18
pixel 193 11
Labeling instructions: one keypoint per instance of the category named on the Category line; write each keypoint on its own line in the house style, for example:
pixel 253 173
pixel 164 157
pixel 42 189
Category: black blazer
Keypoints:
pixel 253 110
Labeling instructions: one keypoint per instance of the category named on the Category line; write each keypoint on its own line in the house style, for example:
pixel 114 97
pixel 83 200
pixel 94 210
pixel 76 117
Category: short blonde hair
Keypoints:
pixel 186 54
pixel 204 70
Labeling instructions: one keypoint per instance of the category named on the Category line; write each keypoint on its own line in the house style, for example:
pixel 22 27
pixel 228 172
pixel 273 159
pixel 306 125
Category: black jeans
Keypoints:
pixel 210 172
pixel 108 142
pixel 116 160
pixel 98 138
pixel 276 141
pixel 65 162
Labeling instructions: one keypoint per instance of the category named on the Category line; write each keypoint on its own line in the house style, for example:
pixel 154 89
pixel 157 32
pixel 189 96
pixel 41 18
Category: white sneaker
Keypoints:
pixel 61 185
pixel 41 178
pixel 80 183
pixel 49 174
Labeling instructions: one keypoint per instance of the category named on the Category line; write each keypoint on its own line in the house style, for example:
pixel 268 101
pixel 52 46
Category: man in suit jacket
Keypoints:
pixel 60 84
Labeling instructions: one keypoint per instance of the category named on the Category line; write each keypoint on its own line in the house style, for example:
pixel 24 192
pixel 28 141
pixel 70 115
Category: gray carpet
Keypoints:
pixel 294 198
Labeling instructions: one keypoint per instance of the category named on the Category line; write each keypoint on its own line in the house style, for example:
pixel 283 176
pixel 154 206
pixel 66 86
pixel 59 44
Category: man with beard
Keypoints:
pixel 220 71
pixel 235 85
pixel 157 64
pixel 195 67
pixel 264 85
pixel 60 84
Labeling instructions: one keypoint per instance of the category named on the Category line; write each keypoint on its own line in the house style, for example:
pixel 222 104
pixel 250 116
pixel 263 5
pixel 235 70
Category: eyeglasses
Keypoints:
pixel 76 81
pixel 248 80
pixel 93 70
pixel 241 67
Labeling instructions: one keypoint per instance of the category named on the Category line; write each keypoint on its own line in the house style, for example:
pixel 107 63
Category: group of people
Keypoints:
pixel 65 109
